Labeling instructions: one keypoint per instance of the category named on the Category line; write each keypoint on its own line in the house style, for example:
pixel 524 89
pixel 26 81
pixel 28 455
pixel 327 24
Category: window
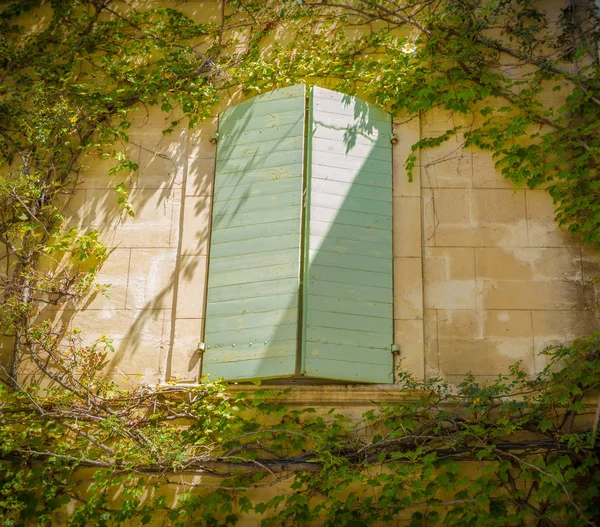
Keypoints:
pixel 300 266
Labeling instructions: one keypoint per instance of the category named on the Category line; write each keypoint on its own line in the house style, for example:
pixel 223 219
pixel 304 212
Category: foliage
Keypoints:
pixel 73 72
pixel 504 454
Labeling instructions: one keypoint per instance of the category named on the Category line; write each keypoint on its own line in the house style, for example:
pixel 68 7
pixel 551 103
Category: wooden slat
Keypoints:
pixel 265 273
pixel 344 246
pixel 255 246
pixel 281 120
pixel 349 217
pixel 253 261
pixel 340 122
pixel 267 366
pixel 252 301
pixel 236 234
pixel 354 204
pixel 343 321
pixel 274 141
pixel 342 305
pixel 260 175
pixel 349 232
pixel 331 181
pixel 247 340
pixel 260 161
pixel 347 296
pixel 359 112
pixel 269 319
pixel 352 137
pixel 258 351
pixel 240 291
pixel 260 304
pixel 352 372
pixel 259 217
pixel 367 164
pixel 350 261
pixel 265 188
pixel 262 202
pixel 355 151
pixel 348 353
pixel 350 291
pixel 292 127
pixel 353 276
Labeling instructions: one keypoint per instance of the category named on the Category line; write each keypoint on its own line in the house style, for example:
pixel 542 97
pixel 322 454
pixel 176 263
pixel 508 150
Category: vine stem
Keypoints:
pixel 552 476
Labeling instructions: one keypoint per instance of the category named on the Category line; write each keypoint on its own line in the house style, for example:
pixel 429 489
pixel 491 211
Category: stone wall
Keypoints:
pixel 482 275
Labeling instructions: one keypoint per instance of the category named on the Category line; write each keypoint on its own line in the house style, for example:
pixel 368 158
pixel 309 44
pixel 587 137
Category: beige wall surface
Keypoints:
pixel 482 275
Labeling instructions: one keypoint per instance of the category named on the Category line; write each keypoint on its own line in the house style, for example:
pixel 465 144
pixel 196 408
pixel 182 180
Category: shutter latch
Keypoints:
pixel 214 138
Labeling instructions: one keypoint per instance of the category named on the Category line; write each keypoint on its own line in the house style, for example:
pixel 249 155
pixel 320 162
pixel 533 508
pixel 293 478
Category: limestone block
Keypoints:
pixel 551 328
pixel 521 294
pixel 159 170
pixel 151 278
pixel 432 366
pixel 509 323
pixel 150 227
pixel 200 177
pixel 480 217
pixel 196 226
pixel 200 146
pixel 407 226
pixel 401 185
pixel 525 263
pixel 499 205
pixel 113 273
pixel 94 172
pixel 438 119
pixel 191 289
pixel 543 231
pixel 590 263
pixel 479 324
pixel 483 356
pixel 137 337
pixel 407 133
pixel 447 166
pixel 155 131
pixel 459 323
pixel 429 217
pixel 72 207
pixel 184 363
pixel 6 352
pixel 485 174
pixel 408 288
pixel 449 278
pixel 208 11
pixel 408 334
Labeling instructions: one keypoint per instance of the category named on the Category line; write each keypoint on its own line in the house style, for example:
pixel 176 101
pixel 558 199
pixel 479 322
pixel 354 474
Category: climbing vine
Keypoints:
pixel 74 443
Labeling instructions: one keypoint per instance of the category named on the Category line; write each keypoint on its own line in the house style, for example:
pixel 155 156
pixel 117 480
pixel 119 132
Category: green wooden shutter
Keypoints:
pixel 347 294
pixel 253 285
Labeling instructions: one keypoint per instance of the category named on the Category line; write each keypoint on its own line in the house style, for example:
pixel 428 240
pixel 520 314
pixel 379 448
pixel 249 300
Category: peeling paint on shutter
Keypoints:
pixel 347 294
pixel 253 285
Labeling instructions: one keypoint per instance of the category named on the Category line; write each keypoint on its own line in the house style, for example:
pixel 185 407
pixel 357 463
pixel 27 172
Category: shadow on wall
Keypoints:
pixel 141 268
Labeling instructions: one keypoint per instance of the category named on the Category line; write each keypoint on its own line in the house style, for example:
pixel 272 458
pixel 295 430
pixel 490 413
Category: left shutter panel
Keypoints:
pixel 251 327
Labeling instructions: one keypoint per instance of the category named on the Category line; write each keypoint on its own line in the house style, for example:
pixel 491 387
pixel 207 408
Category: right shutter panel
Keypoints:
pixel 254 266
pixel 348 298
